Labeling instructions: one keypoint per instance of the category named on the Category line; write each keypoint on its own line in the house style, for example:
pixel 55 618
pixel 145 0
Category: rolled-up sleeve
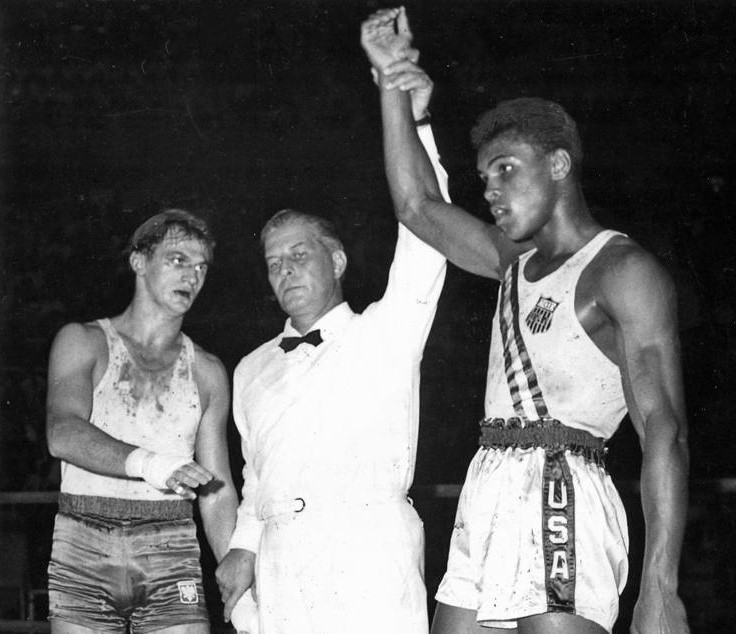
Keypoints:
pixel 427 138
pixel 418 270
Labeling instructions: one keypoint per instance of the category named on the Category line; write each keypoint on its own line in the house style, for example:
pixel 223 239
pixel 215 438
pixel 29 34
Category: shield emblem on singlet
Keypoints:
pixel 539 318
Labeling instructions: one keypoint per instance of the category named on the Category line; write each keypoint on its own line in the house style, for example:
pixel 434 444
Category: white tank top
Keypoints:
pixel 157 411
pixel 542 362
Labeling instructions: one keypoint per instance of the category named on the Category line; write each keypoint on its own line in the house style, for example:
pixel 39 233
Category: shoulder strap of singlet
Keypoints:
pixel 524 380
pixel 591 249
pixel 111 334
pixel 188 346
pixel 114 343
pixel 106 326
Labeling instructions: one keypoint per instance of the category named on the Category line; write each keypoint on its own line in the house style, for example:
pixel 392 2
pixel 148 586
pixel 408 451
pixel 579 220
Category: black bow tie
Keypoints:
pixel 313 338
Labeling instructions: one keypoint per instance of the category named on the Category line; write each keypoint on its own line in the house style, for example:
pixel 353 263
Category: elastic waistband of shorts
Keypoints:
pixel 286 506
pixel 123 509
pixel 546 433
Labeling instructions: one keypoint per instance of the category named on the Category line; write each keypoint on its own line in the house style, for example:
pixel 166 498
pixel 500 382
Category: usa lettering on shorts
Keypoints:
pixel 558 532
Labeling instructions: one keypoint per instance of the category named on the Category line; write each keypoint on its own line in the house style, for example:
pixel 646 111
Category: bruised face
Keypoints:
pixel 173 274
pixel 520 185
pixel 304 274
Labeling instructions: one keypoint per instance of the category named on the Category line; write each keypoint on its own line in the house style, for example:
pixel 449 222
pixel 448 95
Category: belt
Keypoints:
pixel 291 506
pixel 546 433
pixel 124 509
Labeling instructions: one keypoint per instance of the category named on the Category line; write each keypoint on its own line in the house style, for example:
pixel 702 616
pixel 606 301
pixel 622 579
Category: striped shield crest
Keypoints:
pixel 539 318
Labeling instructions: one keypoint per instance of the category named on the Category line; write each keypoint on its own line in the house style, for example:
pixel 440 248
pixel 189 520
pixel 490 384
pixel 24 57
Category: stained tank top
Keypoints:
pixel 157 411
pixel 541 361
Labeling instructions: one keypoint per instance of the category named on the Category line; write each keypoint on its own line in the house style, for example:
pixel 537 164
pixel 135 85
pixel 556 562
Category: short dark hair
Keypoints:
pixel 541 123
pixel 324 230
pixel 152 232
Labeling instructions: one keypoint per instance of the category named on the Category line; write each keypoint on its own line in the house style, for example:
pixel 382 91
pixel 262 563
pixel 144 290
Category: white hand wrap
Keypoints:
pixel 154 468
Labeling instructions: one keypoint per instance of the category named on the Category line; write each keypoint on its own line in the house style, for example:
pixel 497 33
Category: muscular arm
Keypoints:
pixel 640 298
pixel 75 354
pixel 468 242
pixel 218 500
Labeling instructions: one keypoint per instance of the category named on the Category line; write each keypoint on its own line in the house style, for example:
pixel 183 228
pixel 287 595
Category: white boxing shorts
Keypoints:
pixel 537 531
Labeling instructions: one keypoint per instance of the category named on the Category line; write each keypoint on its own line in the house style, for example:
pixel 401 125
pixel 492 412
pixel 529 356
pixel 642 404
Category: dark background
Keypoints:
pixel 114 110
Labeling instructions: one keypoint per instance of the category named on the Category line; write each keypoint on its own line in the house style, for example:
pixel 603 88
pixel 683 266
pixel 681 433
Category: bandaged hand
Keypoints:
pixel 177 473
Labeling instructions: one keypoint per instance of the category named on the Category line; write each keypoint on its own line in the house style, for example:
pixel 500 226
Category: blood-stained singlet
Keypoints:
pixel 159 411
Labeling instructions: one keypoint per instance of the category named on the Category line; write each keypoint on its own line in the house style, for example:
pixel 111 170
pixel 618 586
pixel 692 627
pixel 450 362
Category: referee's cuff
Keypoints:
pixel 247 537
pixel 425 120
